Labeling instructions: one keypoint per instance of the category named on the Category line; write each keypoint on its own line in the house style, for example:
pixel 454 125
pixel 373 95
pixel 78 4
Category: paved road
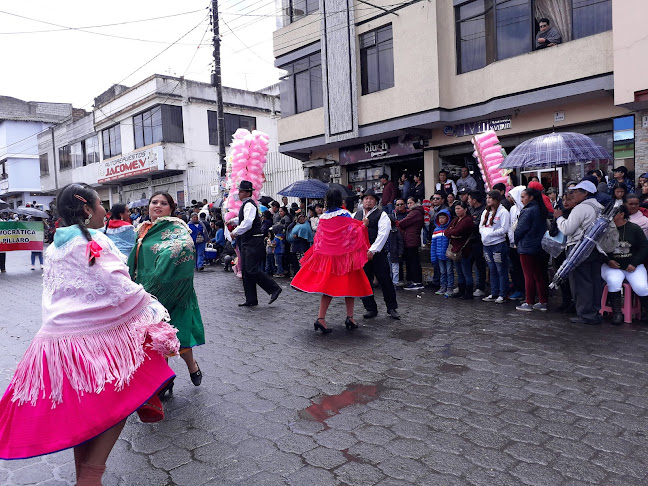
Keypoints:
pixel 456 393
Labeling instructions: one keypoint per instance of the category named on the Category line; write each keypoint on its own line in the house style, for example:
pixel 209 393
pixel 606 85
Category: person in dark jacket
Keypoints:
pixel 531 227
pixel 626 263
pixel 411 227
pixel 389 194
pixel 418 188
pixel 476 200
pixel 438 246
pixel 461 234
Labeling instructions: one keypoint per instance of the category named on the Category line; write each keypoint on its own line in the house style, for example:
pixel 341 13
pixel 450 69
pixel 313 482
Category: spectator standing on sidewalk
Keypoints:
pixel 476 200
pixel 389 194
pixel 199 237
pixel 411 227
pixel 517 275
pixel 438 246
pixel 493 229
pixel 462 234
pixel 396 244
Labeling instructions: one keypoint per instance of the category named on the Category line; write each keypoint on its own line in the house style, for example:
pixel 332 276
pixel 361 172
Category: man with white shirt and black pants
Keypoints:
pixel 249 239
pixel 378 225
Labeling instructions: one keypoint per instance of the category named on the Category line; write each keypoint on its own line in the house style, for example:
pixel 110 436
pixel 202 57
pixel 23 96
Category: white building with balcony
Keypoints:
pixel 20 124
pixel 160 134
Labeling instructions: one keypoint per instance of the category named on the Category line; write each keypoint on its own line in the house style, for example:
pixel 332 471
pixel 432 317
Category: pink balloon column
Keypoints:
pixel 246 160
pixel 490 154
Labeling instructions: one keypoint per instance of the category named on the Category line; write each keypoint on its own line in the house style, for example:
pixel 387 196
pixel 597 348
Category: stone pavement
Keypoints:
pixel 456 393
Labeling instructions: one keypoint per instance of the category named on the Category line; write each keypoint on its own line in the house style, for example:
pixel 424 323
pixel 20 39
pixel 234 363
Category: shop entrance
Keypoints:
pixel 547 177
pixel 454 163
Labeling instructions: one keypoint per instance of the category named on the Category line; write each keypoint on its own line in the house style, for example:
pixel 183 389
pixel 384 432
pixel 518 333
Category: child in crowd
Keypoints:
pixel 279 248
pixel 270 267
pixel 438 248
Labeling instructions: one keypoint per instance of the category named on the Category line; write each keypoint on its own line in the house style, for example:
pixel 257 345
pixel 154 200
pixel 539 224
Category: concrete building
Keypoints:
pixel 383 87
pixel 20 124
pixel 158 135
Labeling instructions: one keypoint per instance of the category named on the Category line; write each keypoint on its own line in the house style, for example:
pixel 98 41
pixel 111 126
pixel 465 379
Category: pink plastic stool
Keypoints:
pixel 631 304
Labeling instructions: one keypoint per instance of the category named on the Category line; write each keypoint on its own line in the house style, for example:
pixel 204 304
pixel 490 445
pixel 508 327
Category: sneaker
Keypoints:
pixel 541 307
pixel 500 300
pixel 524 307
pixel 441 291
pixel 414 286
pixel 517 296
pixel 33 268
pixel 447 295
pixel 490 298
pixel 401 284
pixel 279 275
pixel 479 293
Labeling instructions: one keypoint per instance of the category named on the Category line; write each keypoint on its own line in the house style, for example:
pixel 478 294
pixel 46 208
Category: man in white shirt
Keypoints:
pixel 446 185
pixel 249 239
pixel 378 225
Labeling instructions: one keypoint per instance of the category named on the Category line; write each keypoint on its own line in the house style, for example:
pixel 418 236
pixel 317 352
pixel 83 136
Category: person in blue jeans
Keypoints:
pixel 199 236
pixel 279 248
pixel 493 228
pixel 438 246
pixel 461 232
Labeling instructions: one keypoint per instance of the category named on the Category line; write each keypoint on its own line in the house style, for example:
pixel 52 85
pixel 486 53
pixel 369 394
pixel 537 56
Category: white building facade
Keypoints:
pixel 159 135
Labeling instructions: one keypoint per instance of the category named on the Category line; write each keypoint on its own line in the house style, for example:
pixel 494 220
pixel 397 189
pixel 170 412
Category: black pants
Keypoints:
pixel 587 287
pixel 517 275
pixel 477 252
pixel 3 259
pixel 252 255
pixel 378 266
pixel 413 265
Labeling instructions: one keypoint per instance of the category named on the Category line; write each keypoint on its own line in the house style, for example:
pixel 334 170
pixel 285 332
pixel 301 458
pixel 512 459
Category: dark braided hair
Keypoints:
pixel 115 213
pixel 70 203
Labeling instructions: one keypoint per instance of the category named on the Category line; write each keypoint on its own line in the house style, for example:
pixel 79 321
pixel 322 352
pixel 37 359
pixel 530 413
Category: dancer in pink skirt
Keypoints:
pixel 99 355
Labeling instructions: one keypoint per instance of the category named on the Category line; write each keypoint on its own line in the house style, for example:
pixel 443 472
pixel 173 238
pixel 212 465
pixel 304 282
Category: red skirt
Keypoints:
pixel 352 284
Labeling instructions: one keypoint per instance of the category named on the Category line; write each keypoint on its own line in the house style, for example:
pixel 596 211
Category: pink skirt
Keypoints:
pixel 28 431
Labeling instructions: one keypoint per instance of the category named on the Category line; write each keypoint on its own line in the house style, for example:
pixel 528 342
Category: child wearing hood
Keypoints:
pixel 438 248
pixel 517 275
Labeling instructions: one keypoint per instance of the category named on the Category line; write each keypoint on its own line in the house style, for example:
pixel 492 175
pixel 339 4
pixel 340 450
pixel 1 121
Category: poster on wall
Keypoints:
pixel 180 200
pixel 21 235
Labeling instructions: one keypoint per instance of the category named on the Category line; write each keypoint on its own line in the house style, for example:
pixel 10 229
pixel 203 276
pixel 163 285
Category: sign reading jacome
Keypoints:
pixel 135 163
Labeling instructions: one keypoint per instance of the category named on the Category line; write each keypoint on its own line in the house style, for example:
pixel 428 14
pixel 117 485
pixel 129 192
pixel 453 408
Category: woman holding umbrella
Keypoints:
pixel 333 266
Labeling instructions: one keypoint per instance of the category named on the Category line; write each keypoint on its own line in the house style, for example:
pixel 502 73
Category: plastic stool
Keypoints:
pixel 631 304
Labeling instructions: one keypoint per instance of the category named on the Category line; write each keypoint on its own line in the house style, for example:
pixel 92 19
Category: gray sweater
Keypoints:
pixel 580 220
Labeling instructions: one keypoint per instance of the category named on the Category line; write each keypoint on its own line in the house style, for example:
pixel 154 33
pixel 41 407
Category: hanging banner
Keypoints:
pixel 133 164
pixel 21 235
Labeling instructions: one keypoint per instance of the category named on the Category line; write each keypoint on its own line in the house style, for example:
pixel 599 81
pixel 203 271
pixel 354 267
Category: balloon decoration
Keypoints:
pixel 245 162
pixel 490 154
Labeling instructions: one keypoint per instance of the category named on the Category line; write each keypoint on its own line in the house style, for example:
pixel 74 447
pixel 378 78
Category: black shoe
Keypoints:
pixel 196 376
pixel 370 314
pixel 394 314
pixel 580 320
pixel 166 388
pixel 350 324
pixel 248 304
pixel 274 295
pixel 567 307
pixel 319 327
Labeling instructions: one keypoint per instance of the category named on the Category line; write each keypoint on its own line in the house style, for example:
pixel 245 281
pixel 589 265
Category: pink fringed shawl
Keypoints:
pixel 341 241
pixel 95 324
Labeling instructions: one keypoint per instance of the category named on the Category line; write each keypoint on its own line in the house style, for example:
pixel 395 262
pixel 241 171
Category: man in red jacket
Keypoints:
pixel 411 228
pixel 388 195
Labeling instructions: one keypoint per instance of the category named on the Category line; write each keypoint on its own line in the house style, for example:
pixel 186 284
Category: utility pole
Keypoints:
pixel 216 83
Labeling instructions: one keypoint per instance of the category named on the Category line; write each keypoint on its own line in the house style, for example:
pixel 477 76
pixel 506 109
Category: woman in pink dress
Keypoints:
pixel 98 356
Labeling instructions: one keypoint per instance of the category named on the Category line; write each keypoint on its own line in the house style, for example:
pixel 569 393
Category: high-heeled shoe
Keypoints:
pixel 319 327
pixel 350 324
pixel 166 388
pixel 196 376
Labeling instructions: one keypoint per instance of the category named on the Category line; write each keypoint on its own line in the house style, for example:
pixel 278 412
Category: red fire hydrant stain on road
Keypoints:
pixel 331 405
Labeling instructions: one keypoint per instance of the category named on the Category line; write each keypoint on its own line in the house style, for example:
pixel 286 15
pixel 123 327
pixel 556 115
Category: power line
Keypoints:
pixel 75 29
pixel 98 26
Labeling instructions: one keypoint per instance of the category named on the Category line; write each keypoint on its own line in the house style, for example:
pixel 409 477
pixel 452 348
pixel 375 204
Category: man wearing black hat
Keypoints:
pixel 249 239
pixel 620 174
pixel 378 225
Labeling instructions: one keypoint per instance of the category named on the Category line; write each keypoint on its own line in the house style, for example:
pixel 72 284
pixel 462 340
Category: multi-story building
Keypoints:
pixel 20 123
pixel 160 134
pixel 373 87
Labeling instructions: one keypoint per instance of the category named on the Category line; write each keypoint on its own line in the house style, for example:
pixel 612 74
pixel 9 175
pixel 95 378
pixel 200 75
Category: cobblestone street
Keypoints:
pixel 455 393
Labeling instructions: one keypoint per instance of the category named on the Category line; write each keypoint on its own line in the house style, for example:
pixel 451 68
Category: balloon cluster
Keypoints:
pixel 246 161
pixel 490 154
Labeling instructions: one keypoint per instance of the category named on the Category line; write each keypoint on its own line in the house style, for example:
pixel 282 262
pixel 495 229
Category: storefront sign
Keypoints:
pixel 481 126
pixel 21 235
pixel 135 163
pixel 376 150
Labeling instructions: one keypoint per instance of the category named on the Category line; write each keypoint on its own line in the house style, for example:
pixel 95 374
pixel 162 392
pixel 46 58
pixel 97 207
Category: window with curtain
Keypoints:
pixel 576 18
pixel 300 8
pixel 301 88
pixel 162 123
pixel 377 60
pixel 111 138
pixel 65 160
pixel 77 155
pixel 92 150
pixel 44 164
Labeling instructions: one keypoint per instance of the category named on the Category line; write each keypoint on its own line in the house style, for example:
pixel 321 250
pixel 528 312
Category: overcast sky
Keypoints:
pixel 74 66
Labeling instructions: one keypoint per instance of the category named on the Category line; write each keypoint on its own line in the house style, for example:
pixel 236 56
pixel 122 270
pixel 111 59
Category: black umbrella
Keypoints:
pixel 33 212
pixel 345 191
pixel 265 200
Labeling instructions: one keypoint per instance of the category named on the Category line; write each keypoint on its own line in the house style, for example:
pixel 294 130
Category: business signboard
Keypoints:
pixel 135 163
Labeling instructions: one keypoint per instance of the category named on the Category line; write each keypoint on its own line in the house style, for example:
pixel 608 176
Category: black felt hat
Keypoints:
pixel 246 186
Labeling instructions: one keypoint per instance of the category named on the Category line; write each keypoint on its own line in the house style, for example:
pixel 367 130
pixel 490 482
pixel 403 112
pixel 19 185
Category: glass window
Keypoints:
pixel 513 27
pixel 212 127
pixel 162 123
pixel 44 164
pixel 111 141
pixel 301 88
pixel 76 154
pixel 377 60
pixel 65 161
pixel 91 147
pixel 234 122
pixel 624 144
pixel 591 17
pixel 471 36
pixel 300 8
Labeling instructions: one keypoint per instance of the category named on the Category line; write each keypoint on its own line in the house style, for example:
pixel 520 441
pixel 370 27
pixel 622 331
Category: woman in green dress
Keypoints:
pixel 163 261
